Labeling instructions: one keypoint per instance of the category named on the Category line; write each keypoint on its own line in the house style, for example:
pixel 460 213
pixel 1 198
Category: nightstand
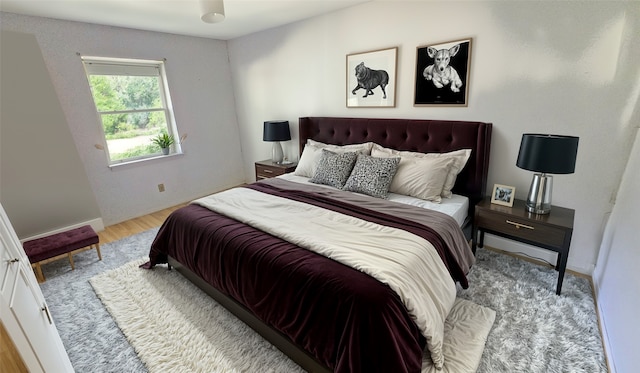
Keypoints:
pixel 552 231
pixel 266 169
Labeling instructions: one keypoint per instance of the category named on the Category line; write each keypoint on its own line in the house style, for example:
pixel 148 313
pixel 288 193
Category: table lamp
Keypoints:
pixel 545 154
pixel 276 131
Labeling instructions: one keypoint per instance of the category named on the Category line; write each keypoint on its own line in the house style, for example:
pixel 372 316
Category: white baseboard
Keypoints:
pixel 603 327
pixel 533 251
pixel 97 225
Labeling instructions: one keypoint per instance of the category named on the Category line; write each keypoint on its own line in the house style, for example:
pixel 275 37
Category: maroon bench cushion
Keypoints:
pixel 60 243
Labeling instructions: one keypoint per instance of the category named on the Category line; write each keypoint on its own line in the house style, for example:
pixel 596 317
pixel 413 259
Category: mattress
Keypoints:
pixel 457 206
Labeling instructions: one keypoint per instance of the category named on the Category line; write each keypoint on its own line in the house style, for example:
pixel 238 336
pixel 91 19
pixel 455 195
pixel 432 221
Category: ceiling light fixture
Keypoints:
pixel 212 11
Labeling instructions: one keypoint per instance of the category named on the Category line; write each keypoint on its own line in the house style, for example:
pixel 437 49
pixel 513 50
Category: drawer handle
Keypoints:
pixel 518 225
pixel 45 309
pixel 267 171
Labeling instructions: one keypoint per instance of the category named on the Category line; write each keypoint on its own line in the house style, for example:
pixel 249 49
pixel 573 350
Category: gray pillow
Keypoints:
pixel 334 168
pixel 372 175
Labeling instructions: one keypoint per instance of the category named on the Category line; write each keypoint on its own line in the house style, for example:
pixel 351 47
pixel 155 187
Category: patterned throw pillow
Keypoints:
pixel 334 168
pixel 313 151
pixel 372 175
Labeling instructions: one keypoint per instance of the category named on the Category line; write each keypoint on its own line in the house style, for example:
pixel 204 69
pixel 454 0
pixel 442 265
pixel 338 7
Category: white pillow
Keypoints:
pixel 313 151
pixel 308 161
pixel 459 157
pixel 422 178
pixel 362 148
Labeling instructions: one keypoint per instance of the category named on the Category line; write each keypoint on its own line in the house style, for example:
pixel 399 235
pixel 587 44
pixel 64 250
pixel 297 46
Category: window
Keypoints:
pixel 133 104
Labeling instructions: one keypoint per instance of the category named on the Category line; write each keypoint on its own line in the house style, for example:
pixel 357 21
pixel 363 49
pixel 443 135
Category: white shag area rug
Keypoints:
pixel 175 327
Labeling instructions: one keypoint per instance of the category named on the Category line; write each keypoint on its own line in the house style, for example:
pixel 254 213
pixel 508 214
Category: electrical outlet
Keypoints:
pixel 161 188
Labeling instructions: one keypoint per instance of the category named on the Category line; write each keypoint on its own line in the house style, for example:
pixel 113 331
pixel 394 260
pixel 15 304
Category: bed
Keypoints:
pixel 280 274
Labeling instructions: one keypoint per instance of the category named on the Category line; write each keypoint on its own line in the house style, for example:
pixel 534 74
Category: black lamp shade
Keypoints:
pixel 276 130
pixel 552 154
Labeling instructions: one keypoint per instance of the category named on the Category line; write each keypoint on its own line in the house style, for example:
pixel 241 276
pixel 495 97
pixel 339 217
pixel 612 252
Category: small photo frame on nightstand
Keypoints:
pixel 503 195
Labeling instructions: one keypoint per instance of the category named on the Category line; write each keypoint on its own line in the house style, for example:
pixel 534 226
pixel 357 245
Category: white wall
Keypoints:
pixel 564 68
pixel 616 277
pixel 199 77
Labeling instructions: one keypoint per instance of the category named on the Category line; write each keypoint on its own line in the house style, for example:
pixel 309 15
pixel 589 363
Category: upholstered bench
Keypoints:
pixel 56 246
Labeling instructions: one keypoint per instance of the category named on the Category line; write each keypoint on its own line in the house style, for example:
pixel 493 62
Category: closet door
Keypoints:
pixel 25 314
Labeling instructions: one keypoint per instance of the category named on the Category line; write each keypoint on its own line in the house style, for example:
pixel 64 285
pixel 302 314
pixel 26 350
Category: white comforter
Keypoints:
pixel 407 263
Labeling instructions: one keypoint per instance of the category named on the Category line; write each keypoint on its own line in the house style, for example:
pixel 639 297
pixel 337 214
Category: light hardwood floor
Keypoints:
pixel 10 360
pixel 136 225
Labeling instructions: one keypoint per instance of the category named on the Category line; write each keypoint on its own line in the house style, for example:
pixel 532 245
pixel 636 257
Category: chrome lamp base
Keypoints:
pixel 276 152
pixel 539 198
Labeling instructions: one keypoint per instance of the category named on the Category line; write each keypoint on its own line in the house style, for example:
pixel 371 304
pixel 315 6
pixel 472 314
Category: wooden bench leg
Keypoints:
pixel 73 266
pixel 39 274
pixel 98 250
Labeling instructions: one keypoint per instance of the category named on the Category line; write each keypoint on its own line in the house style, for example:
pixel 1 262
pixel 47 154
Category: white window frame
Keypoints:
pixel 134 67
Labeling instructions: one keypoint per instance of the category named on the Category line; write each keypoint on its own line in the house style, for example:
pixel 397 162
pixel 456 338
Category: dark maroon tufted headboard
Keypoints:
pixel 417 135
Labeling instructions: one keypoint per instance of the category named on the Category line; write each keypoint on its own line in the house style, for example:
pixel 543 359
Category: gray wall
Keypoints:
pixel 43 185
pixel 199 78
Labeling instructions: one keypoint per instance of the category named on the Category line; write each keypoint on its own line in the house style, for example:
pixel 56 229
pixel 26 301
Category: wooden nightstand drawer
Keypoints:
pixel 266 169
pixel 263 172
pixel 520 228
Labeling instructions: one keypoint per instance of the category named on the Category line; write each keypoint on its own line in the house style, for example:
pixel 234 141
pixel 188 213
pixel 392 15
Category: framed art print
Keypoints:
pixel 503 195
pixel 442 73
pixel 371 78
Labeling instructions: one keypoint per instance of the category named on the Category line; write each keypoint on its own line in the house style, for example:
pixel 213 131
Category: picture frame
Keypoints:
pixel 445 83
pixel 371 78
pixel 503 195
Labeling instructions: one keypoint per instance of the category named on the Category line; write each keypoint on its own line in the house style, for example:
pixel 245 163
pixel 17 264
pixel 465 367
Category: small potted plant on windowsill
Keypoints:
pixel 164 141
